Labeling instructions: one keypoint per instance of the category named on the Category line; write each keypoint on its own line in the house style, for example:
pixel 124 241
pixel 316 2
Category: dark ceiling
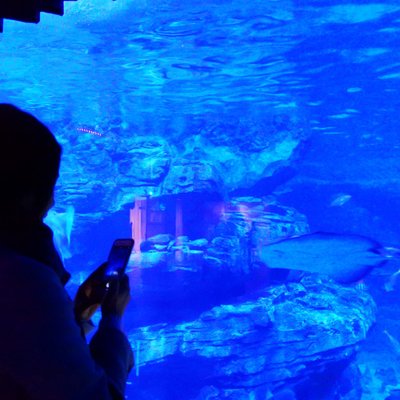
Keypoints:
pixel 28 10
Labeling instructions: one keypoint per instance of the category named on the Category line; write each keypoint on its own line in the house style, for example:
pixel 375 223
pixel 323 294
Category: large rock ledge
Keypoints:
pixel 284 337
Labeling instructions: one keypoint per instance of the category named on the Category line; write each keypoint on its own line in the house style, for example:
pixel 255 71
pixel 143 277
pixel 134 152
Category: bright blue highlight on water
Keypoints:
pixel 208 130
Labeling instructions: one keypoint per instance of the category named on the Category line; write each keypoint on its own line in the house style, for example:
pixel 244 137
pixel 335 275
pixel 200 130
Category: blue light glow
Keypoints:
pixel 207 131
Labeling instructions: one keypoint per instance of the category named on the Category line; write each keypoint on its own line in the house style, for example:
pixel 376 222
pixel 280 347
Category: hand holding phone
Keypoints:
pixel 117 297
pixel 93 291
pixel 117 282
pixel 118 258
pixel 90 294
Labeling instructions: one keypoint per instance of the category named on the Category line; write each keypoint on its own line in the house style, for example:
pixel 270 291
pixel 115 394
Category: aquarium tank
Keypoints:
pixel 252 151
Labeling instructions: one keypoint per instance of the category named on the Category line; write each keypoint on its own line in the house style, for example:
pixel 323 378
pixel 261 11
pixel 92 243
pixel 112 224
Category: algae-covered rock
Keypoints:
pixel 187 176
pixel 287 336
pixel 248 224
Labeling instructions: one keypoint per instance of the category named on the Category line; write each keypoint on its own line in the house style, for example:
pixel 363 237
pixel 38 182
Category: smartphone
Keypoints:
pixel 119 257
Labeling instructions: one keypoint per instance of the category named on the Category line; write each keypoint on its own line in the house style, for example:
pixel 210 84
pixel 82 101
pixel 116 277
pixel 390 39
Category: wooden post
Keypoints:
pixel 138 219
pixel 178 218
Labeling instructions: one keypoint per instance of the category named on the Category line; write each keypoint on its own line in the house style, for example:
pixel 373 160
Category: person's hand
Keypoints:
pixel 117 297
pixel 90 294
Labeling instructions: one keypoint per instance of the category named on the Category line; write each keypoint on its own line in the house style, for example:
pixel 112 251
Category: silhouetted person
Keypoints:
pixel 43 352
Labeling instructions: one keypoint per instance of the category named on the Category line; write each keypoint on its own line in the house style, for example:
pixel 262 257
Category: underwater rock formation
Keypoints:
pixel 117 164
pixel 300 336
pixel 249 223
pixel 186 176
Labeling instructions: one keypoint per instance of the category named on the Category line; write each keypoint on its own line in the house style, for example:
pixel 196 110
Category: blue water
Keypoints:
pixel 238 124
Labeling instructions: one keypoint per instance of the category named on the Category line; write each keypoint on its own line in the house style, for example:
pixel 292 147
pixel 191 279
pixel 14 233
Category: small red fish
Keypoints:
pixel 86 130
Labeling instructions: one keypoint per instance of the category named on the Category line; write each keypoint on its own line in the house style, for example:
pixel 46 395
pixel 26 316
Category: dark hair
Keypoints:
pixel 29 160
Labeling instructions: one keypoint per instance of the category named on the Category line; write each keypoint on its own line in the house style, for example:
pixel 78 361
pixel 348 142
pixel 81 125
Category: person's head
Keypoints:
pixel 29 164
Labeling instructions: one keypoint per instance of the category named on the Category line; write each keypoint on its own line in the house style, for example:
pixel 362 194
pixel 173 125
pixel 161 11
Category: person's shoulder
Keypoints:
pixel 15 267
pixel 29 290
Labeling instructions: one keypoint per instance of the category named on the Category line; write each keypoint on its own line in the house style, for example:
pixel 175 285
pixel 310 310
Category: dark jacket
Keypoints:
pixel 42 352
